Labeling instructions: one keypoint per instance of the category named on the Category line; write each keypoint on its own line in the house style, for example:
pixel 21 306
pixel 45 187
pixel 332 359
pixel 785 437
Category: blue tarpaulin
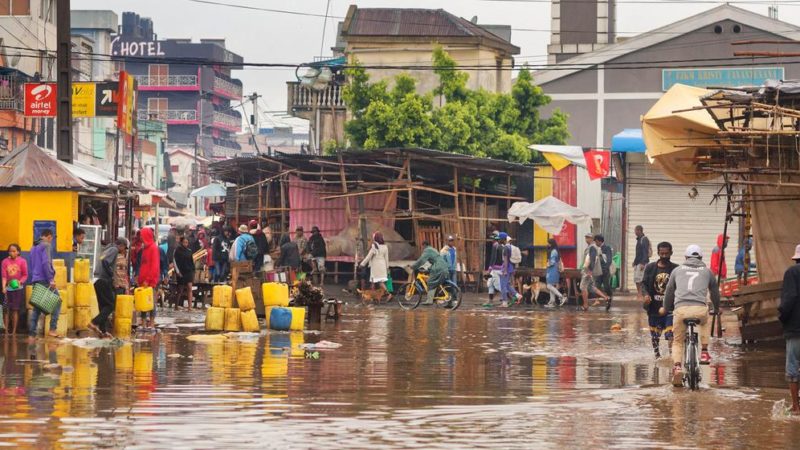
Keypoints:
pixel 629 140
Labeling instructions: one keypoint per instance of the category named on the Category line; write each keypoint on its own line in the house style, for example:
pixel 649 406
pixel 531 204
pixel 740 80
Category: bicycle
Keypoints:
pixel 691 355
pixel 448 295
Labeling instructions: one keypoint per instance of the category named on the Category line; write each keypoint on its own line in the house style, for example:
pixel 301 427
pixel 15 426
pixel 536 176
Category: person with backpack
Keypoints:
pixel 221 246
pixel 591 269
pixel 244 247
pixel 507 268
pixel 606 266
pixel 553 274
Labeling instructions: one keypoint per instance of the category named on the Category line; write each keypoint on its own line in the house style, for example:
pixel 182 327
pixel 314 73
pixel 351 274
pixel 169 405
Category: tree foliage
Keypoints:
pixel 472 122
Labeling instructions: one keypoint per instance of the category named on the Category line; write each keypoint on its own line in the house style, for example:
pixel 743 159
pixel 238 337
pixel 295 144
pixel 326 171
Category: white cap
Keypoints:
pixel 796 252
pixel 694 250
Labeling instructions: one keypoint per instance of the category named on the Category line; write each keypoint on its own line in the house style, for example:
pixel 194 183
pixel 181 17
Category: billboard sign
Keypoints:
pixel 83 99
pixel 106 99
pixel 727 77
pixel 40 99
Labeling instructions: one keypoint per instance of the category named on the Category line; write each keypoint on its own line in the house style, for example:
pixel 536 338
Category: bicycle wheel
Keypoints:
pixel 692 369
pixel 454 296
pixel 409 296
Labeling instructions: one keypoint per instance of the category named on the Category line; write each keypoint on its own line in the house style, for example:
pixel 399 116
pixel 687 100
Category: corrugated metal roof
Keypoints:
pixel 28 166
pixel 415 22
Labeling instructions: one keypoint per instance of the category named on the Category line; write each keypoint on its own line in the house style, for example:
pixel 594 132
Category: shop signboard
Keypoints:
pixel 83 99
pixel 40 99
pixel 106 104
pixel 722 77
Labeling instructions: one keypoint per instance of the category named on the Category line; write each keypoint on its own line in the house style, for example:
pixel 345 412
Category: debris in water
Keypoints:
pixel 174 355
pixel 207 338
pixel 616 327
pixel 321 345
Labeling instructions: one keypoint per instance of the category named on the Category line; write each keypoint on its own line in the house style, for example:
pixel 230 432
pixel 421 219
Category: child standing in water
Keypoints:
pixel 14 272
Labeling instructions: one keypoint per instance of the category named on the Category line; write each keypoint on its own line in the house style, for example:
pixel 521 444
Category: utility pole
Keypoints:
pixel 254 130
pixel 64 79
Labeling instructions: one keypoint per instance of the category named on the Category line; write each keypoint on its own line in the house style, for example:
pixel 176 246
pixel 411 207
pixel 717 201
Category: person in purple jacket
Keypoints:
pixel 42 272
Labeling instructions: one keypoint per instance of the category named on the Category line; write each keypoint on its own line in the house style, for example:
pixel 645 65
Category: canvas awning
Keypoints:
pixel 629 140
pixel 673 130
pixel 549 213
pixel 561 156
pixel 209 190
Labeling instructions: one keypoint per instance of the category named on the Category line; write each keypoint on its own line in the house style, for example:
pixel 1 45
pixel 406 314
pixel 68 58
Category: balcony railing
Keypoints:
pixel 170 115
pixel 301 97
pixel 227 120
pixel 167 80
pixel 227 88
pixel 11 93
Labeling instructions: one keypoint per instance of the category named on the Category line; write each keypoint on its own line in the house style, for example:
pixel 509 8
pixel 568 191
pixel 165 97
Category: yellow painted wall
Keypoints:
pixel 60 206
pixel 9 219
pixel 542 187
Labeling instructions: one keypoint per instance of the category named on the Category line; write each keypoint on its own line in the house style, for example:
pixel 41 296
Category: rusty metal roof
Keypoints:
pixel 28 166
pixel 415 23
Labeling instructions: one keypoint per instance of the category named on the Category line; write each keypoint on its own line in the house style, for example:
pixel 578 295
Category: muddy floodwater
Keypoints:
pixel 422 379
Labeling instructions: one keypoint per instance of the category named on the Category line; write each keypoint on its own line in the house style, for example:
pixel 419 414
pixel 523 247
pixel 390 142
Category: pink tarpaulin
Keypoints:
pixel 306 208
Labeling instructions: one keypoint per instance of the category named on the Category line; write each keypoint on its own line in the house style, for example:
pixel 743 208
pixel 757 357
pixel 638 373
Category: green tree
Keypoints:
pixel 472 122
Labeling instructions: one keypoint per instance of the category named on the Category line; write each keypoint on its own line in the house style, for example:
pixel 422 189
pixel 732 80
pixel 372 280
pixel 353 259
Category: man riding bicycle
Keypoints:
pixel 437 273
pixel 686 295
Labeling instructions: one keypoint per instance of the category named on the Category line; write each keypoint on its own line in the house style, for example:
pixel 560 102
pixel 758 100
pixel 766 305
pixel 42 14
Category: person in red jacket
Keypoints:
pixel 718 264
pixel 149 270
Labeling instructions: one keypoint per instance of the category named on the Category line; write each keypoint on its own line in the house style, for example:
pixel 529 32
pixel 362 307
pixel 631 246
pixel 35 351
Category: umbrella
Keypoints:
pixel 549 213
pixel 209 190
pixel 183 222
pixel 672 137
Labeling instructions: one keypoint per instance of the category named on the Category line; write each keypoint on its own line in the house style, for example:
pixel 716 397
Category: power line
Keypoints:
pixel 433 26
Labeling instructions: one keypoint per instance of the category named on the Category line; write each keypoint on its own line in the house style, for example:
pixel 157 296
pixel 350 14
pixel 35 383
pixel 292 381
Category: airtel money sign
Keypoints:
pixel 40 99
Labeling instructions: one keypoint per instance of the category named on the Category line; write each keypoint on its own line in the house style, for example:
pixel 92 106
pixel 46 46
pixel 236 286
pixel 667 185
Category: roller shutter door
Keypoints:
pixel 666 212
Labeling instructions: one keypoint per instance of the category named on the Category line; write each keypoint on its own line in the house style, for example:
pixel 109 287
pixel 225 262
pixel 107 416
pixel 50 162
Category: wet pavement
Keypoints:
pixel 516 378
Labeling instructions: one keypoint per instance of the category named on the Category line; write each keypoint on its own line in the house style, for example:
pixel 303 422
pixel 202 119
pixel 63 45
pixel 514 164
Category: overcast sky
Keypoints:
pixel 286 38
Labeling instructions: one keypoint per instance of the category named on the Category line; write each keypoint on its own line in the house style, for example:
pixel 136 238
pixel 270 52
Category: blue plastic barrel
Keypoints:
pixel 280 319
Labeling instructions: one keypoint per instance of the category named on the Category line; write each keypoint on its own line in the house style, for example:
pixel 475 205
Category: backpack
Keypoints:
pixel 516 254
pixel 251 249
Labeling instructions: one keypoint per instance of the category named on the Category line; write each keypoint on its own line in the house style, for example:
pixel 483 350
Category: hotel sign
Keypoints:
pixel 728 77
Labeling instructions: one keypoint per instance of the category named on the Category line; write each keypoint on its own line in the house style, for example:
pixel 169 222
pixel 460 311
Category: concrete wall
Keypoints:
pixel 629 91
pixel 420 54
pixel 31 31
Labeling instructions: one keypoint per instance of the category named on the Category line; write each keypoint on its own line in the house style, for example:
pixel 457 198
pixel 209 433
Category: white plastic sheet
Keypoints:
pixel 549 213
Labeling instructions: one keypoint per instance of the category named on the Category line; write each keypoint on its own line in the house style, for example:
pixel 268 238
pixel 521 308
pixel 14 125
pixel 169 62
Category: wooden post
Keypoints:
pixel 343 180
pixel 716 320
pixel 459 232
pixel 283 201
pixel 412 204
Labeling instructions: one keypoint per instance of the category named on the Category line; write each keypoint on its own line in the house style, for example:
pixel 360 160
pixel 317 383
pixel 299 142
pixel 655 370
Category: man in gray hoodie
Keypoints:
pixel 686 293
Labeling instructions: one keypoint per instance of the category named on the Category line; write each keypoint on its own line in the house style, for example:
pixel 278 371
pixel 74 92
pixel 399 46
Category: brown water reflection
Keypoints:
pixel 421 379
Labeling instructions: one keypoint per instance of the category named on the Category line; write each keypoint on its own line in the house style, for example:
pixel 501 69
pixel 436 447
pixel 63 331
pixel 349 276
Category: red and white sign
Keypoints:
pixel 598 163
pixel 40 99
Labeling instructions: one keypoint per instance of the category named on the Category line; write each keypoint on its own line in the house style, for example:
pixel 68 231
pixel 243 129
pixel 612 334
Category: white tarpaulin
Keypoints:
pixel 549 213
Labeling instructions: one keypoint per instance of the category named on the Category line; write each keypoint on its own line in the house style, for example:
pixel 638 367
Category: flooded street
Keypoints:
pixel 421 379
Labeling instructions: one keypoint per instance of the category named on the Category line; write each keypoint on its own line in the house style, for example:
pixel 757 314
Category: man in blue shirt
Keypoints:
pixel 449 253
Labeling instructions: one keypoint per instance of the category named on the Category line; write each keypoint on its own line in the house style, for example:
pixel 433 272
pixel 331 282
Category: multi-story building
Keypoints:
pixel 95 138
pixel 391 41
pixel 28 36
pixel 194 99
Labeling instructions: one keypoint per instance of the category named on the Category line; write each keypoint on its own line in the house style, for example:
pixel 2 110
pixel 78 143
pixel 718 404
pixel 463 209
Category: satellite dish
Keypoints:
pixel 15 59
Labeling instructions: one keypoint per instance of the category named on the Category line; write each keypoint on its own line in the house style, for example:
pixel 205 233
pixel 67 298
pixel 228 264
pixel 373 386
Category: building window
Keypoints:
pixel 15 7
pixel 47 10
pixel 159 74
pixel 157 108
pixel 175 168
